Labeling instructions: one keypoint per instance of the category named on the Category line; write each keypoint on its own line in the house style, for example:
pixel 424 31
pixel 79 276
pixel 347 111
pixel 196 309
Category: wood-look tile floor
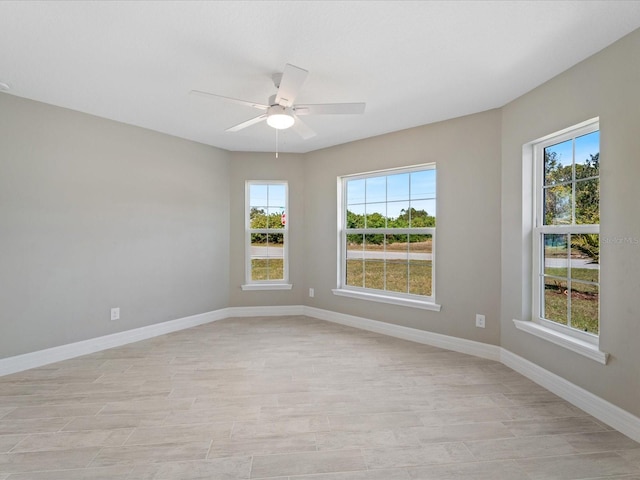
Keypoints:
pixel 298 399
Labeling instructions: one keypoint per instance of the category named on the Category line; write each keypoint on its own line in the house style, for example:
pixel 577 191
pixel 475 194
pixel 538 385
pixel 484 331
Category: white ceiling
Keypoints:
pixel 413 63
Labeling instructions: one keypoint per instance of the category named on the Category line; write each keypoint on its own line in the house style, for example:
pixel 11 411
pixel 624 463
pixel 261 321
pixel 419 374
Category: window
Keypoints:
pixel 566 240
pixel 267 228
pixel 387 236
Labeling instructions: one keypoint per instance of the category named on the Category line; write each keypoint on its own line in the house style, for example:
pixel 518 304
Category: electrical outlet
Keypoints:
pixel 479 320
pixel 311 292
pixel 115 313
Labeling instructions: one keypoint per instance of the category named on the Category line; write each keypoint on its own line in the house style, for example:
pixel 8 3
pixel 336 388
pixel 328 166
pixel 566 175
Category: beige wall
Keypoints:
pixel 265 166
pixel 467 155
pixel 605 85
pixel 96 214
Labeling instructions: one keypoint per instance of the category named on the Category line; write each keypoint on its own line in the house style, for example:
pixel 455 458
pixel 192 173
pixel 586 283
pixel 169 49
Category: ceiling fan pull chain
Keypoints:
pixel 276 143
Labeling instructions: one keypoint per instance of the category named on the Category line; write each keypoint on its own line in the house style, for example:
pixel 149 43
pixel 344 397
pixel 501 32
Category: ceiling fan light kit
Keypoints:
pixel 280 117
pixel 281 113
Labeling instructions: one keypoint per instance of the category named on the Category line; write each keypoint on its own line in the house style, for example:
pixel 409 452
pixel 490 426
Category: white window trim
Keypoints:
pixel 582 343
pixel 569 342
pixel 363 294
pixel 279 284
pixel 382 296
pixel 267 286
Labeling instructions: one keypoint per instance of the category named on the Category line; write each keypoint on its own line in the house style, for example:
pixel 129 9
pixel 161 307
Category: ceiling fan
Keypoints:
pixel 281 113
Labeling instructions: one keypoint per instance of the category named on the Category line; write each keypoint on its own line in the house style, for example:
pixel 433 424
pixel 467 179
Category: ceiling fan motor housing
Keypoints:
pixel 281 112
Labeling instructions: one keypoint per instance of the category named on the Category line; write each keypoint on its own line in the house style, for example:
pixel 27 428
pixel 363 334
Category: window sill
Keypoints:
pixel 374 297
pixel 267 286
pixel 575 345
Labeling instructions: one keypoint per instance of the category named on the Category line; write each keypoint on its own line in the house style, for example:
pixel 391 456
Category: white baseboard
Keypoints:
pixel 266 311
pixel 47 356
pixel 604 411
pixel 39 358
pixel 478 349
pixel 599 408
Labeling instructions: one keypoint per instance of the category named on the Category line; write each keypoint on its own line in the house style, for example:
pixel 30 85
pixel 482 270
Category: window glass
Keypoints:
pixel 567 233
pixel 267 232
pixel 395 213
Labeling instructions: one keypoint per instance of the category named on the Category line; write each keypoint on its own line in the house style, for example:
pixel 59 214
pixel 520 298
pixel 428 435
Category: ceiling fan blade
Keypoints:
pixel 330 109
pixel 259 106
pixel 292 79
pixel 303 129
pixel 247 123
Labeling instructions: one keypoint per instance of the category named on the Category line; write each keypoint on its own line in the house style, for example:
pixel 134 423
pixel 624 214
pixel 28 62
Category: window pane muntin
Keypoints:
pixel 585 257
pixel 274 220
pixel 423 213
pixel 355 245
pixel 276 268
pixel 574 228
pixel 267 257
pixel 275 242
pixel 374 261
pixel 420 264
pixel 397 276
pixel 373 246
pixel 393 227
pixel 257 217
pixel 390 189
pixel 396 247
pixel 398 214
pixel 375 215
pixel 263 195
pixel 556 254
pixel 277 195
pixel 585 307
pixel 558 163
pixel 258 195
pixel 258 239
pixel 423 184
pixel 576 273
pixel 265 269
pixel 355 272
pixel 354 264
pixel 587 155
pixel 355 191
pixel 587 202
pixel 376 189
pixel 259 269
pixel 266 236
pixel 374 274
pixel 355 216
pixel 575 188
pixel 420 278
pixel 555 300
pixel 398 187
pixel 558 205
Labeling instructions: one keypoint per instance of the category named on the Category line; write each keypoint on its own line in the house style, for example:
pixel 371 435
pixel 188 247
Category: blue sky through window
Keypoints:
pixel 391 194
pixel 585 146
pixel 264 196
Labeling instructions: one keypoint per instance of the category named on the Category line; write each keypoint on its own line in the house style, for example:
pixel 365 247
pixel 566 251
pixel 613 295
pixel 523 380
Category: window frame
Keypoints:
pixel 275 284
pixel 539 229
pixel 384 296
